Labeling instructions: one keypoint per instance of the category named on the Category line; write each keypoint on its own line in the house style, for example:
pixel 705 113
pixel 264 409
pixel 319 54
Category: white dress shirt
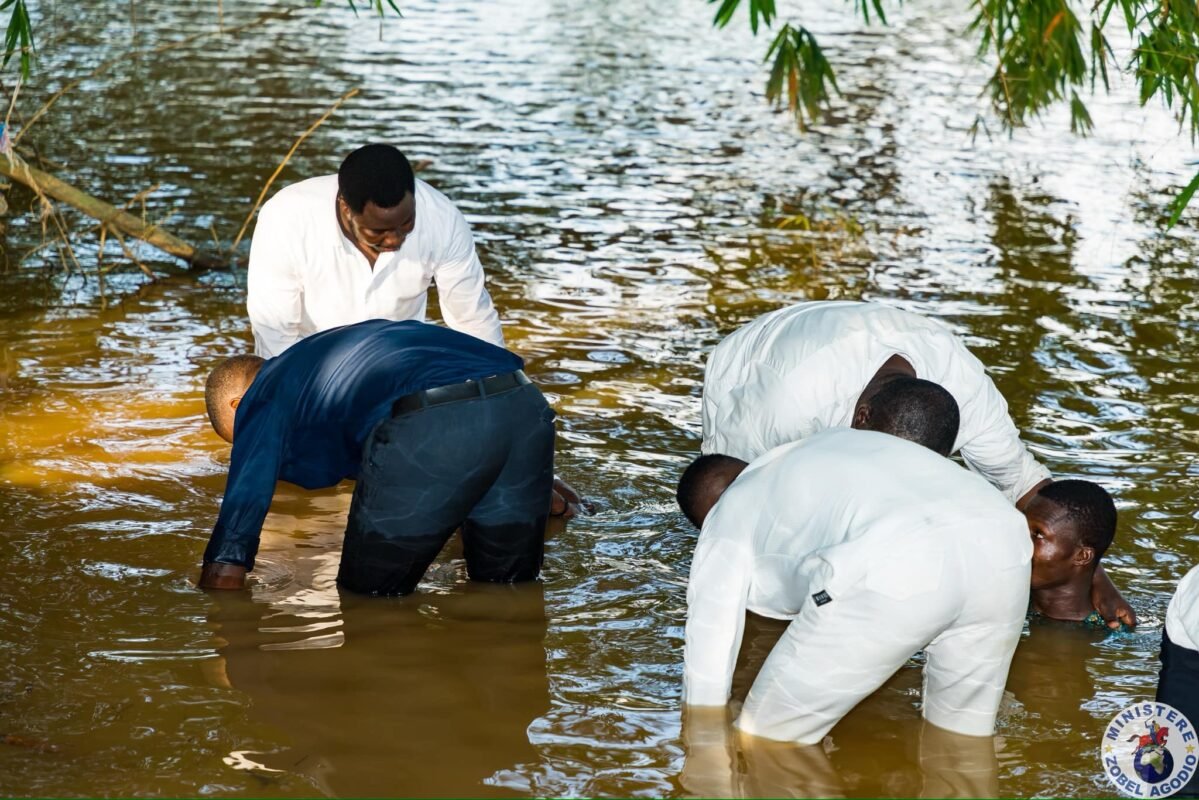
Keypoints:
pixel 305 276
pixel 875 548
pixel 800 370
pixel 1182 615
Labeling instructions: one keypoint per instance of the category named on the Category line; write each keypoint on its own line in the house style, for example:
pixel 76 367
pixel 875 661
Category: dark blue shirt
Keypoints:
pixel 306 417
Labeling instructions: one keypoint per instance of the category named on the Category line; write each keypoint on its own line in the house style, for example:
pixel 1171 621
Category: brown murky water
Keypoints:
pixel 624 180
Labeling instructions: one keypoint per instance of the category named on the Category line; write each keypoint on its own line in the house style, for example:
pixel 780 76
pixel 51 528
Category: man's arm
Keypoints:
pixel 717 594
pixel 465 304
pixel 274 291
pixel 993 448
pixel 253 469
pixel 1109 602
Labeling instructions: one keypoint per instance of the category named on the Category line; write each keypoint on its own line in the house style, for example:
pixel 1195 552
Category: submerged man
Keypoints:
pixel 363 244
pixel 440 430
pixel 1072 524
pixel 874 548
pixel 812 366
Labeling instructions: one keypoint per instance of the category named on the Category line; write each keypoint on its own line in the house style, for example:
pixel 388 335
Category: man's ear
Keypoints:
pixel 861 417
pixel 1084 555
pixel 235 402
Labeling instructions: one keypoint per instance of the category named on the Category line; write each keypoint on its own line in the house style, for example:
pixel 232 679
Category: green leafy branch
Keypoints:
pixel 18 37
pixel 1044 52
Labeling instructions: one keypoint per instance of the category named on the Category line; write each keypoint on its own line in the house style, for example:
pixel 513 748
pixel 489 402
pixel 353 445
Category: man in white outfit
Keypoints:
pixel 363 244
pixel 874 548
pixel 812 366
pixel 366 244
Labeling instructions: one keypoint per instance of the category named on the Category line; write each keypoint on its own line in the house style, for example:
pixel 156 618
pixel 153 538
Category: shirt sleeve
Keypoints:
pixel 274 291
pixel 465 304
pixel 717 596
pixel 995 450
pixel 253 470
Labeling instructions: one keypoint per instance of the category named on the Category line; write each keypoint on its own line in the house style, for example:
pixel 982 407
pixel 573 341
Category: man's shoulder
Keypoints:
pixel 429 199
pixel 306 196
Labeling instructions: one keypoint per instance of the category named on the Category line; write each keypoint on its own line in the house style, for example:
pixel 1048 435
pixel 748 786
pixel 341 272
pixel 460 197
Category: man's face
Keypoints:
pixel 380 230
pixel 1057 552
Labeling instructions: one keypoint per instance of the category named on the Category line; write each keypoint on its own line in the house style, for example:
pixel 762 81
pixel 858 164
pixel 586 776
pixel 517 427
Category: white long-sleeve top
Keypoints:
pixel 305 276
pixel 1182 615
pixel 801 369
pixel 848 512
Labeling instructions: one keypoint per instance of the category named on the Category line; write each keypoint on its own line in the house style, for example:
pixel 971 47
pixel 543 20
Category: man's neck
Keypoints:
pixel 1070 602
pixel 894 367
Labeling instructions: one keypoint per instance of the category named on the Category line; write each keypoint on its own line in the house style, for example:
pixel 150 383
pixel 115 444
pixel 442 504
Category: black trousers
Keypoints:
pixel 485 464
pixel 1178 686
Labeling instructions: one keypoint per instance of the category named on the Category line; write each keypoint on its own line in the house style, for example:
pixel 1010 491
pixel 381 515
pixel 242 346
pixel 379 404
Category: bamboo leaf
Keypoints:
pixel 1180 202
pixel 725 13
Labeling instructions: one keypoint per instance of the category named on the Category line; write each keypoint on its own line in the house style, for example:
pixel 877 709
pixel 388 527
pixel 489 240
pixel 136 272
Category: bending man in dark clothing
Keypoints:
pixel 439 428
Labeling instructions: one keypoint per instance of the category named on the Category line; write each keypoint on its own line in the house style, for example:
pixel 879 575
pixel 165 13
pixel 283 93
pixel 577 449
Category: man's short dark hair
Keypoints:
pixel 375 173
pixel 1089 507
pixel 226 380
pixel 706 476
pixel 917 410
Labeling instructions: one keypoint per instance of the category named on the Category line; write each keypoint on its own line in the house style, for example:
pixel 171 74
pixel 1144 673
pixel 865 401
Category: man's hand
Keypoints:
pixel 216 575
pixel 1110 603
pixel 565 501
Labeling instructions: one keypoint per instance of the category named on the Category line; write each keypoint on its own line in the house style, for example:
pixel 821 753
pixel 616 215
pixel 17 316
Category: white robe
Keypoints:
pixel 800 370
pixel 875 548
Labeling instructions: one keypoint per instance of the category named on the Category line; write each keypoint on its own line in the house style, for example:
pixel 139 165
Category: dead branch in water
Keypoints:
pixel 283 163
pixel 46 185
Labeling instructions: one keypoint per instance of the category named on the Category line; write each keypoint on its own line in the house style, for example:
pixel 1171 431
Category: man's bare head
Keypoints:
pixel 224 390
pixel 917 410
pixel 704 482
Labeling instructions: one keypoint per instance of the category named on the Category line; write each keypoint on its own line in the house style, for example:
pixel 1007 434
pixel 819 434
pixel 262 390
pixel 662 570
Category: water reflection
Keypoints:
pixel 913 759
pixel 624 180
pixel 430 695
pixel 882 748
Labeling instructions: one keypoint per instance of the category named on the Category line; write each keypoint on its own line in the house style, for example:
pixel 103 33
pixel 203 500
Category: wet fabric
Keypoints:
pixel 306 416
pixel 485 464
pixel 1178 686
pixel 874 548
pixel 1182 615
pixel 305 276
pixel 1095 620
pixel 800 370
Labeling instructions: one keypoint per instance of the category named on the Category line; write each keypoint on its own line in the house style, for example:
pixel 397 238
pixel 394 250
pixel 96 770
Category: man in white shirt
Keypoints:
pixel 874 547
pixel 812 366
pixel 363 244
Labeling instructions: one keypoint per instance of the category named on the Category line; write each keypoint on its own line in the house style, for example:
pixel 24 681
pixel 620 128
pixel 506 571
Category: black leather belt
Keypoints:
pixel 467 390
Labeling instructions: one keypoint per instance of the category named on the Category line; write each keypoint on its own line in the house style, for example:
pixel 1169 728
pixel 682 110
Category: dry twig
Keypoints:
pixel 283 164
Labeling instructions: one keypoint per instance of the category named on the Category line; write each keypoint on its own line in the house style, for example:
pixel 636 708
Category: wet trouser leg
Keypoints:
pixel 1178 686
pixel 485 462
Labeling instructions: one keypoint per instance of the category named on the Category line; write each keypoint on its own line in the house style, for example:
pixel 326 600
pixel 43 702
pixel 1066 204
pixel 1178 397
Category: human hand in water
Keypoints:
pixel 217 575
pixel 566 502
pixel 1110 603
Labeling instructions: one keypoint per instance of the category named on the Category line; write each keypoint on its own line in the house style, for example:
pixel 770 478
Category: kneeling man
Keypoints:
pixel 874 547
pixel 439 428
